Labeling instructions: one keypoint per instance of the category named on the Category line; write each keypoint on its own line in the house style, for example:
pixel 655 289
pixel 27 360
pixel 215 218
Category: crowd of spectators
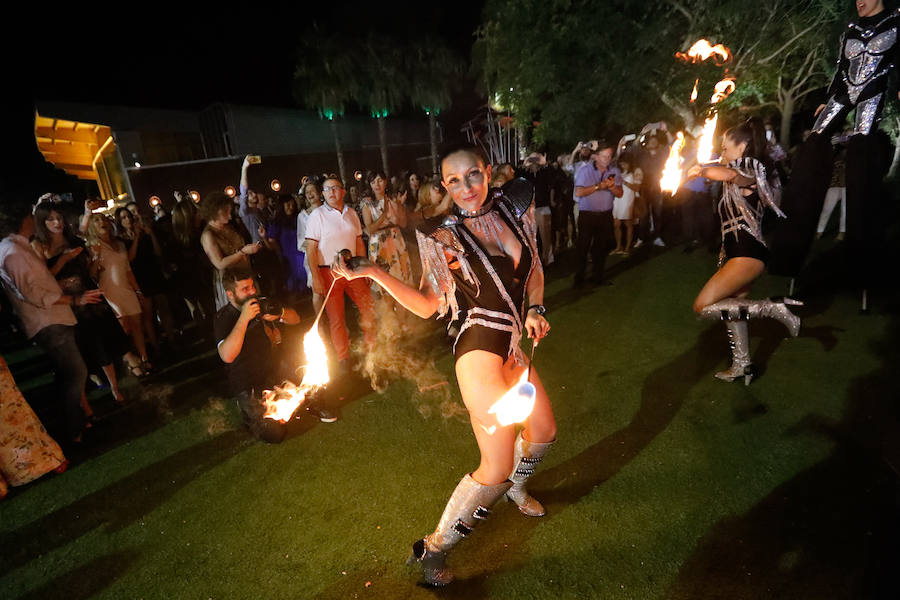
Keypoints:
pixel 102 290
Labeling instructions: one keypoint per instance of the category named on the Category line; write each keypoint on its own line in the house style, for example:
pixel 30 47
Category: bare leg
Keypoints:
pixel 134 328
pixel 481 383
pixel 110 372
pixel 732 279
pixel 617 232
pixel 629 234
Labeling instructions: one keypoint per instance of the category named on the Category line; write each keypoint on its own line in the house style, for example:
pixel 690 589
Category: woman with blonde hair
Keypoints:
pixel 111 269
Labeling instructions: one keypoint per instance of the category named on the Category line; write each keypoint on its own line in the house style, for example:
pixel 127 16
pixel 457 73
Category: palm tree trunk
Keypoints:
pixel 432 134
pixel 340 153
pixel 382 140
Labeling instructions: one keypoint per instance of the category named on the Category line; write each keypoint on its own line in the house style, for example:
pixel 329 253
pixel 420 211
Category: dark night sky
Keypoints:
pixel 244 57
pixel 165 59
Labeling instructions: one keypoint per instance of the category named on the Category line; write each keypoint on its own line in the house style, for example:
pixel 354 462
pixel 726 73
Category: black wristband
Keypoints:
pixel 539 308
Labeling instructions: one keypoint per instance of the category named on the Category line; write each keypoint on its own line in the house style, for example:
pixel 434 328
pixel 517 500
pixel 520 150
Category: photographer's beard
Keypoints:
pixel 242 301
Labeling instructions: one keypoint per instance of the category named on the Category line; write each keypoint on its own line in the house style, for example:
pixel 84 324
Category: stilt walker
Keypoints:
pixel 864 81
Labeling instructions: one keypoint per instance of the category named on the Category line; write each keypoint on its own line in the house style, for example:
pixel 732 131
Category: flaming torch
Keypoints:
pixel 702 50
pixel 516 404
pixel 707 138
pixel 282 402
pixel 671 175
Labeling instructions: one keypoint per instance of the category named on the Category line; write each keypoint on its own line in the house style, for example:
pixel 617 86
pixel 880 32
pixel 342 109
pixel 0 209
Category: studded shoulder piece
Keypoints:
pixel 518 194
pixel 442 252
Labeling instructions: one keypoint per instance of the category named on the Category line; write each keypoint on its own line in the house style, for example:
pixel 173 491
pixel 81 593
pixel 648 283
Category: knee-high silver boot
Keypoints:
pixel 470 503
pixel 735 309
pixel 527 456
pixel 739 339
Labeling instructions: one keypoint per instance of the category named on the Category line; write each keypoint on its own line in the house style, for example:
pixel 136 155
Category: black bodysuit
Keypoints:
pixel 485 294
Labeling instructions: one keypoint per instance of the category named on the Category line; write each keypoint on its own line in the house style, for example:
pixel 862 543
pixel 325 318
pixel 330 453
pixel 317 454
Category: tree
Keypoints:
pixel 381 60
pixel 432 67
pixel 326 78
pixel 592 70
pixel 890 123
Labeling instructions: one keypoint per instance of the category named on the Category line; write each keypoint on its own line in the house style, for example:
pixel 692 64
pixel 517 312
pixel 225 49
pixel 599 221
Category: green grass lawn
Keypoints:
pixel 665 483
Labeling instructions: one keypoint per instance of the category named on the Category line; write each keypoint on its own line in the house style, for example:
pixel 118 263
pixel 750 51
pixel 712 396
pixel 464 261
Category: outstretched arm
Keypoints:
pixel 717 173
pixel 420 302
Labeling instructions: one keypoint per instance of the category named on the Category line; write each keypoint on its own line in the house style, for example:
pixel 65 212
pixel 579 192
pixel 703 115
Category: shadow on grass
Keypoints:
pixel 118 505
pixel 500 544
pixel 85 581
pixel 833 531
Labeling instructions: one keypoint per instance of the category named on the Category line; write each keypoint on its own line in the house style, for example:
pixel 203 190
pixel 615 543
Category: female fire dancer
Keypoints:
pixel 481 264
pixel 746 192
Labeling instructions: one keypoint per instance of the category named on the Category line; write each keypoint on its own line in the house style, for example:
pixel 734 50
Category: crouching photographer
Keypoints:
pixel 249 342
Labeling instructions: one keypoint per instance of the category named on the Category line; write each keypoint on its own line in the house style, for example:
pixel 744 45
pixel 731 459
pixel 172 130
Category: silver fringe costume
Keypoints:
pixel 442 251
pixel 737 213
pixel 452 258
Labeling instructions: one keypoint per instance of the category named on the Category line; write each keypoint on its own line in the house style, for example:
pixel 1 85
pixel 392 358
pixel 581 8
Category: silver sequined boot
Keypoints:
pixel 527 456
pixel 470 503
pixel 735 309
pixel 739 339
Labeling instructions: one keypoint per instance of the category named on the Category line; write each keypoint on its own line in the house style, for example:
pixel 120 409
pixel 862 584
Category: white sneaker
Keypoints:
pixel 659 242
pixel 638 243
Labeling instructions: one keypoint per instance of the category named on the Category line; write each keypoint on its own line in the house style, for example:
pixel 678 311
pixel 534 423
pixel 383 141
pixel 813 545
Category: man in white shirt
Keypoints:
pixel 333 227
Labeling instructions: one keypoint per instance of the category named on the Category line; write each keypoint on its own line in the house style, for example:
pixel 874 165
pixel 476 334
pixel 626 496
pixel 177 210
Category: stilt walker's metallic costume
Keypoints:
pixel 485 296
pixel 741 218
pixel 865 80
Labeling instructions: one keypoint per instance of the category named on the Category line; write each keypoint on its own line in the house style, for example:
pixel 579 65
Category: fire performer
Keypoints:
pixel 868 58
pixel 747 191
pixel 249 342
pixel 482 266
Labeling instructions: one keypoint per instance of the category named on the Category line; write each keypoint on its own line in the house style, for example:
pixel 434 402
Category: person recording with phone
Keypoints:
pixel 596 184
pixel 249 343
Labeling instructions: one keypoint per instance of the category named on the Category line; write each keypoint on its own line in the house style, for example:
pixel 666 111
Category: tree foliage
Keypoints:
pixel 585 69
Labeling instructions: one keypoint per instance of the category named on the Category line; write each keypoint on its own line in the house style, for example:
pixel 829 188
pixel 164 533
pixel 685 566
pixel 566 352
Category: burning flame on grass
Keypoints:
pixel 694 93
pixel 702 50
pixel 671 175
pixel 515 405
pixel 283 401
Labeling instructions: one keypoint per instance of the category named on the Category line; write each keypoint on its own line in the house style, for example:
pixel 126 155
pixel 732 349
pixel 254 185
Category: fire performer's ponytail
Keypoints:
pixel 753 132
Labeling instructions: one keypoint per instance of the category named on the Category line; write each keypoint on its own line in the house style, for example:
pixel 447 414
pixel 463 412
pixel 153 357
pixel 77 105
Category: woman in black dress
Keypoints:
pixel 747 191
pixel 481 265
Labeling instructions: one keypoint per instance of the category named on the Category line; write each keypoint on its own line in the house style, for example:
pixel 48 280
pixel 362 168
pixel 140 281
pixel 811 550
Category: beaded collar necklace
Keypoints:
pixel 468 214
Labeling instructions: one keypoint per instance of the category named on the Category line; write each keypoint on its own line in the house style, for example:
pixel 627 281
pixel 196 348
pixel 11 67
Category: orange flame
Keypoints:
pixel 723 90
pixel 702 50
pixel 283 401
pixel 671 175
pixel 694 93
pixel 705 144
pixel 516 404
